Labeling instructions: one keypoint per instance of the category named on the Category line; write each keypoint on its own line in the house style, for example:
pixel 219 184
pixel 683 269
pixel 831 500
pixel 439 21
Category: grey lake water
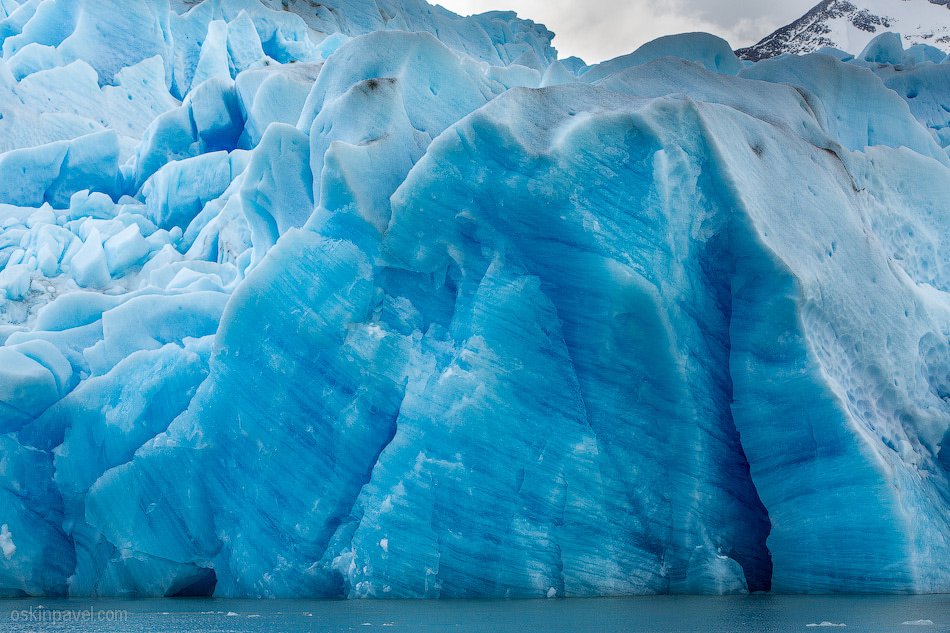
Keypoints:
pixel 749 614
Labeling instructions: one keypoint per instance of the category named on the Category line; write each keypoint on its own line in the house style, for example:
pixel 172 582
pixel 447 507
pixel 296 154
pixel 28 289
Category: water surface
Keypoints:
pixel 754 614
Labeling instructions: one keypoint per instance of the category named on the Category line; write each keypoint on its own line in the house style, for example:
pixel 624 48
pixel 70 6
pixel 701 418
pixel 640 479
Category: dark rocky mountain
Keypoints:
pixel 851 24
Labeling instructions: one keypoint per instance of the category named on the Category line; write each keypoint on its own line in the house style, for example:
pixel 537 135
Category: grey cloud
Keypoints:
pixel 600 29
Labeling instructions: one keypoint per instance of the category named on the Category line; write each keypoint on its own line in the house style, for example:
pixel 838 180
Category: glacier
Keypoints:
pixel 368 299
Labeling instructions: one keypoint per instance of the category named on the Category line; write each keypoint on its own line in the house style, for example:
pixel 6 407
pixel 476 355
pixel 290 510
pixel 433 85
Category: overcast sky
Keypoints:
pixel 600 29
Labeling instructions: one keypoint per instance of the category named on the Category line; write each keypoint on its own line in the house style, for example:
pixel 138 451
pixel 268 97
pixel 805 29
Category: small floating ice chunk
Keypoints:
pixel 826 623
pixel 231 614
pixel 918 623
pixel 552 592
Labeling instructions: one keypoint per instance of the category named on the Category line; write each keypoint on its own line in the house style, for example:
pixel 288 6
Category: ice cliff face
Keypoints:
pixel 849 25
pixel 367 299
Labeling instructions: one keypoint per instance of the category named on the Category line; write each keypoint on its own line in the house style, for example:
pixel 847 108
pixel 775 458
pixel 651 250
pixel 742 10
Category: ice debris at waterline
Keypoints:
pixel 320 304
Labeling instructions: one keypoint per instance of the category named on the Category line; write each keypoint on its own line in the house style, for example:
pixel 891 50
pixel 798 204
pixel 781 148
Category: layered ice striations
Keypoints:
pixel 366 299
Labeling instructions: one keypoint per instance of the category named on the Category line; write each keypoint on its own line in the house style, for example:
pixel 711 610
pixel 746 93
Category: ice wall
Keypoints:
pixel 340 301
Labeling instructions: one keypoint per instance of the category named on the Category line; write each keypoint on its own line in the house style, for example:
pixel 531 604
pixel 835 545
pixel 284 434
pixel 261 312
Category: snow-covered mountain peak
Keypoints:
pixel 851 24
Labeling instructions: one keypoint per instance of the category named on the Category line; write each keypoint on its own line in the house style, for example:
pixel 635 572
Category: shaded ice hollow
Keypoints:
pixel 368 299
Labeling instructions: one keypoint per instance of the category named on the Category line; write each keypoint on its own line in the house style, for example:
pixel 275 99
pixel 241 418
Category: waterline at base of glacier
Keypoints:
pixel 654 614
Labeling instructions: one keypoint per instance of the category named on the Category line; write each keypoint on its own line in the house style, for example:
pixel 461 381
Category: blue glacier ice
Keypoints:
pixel 367 299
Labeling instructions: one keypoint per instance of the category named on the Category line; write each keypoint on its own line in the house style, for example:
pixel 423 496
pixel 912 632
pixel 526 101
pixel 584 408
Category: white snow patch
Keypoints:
pixel 6 542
